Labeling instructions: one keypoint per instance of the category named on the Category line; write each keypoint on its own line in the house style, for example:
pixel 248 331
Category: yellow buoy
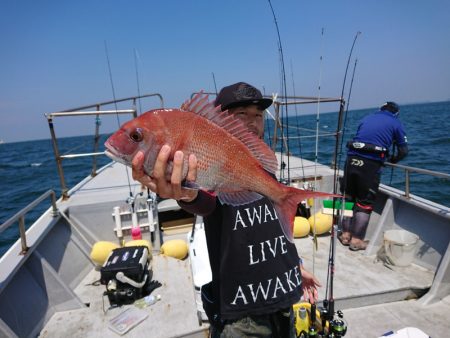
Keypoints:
pixel 301 226
pixel 176 248
pixel 101 250
pixel 141 242
pixel 320 223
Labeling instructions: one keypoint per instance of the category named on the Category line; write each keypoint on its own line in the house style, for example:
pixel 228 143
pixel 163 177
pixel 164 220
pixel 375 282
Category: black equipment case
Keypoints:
pixel 126 274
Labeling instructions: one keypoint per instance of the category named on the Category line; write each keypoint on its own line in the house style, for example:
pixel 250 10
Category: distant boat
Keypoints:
pixel 1 141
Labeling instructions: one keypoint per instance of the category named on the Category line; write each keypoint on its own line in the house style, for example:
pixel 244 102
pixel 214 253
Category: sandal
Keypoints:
pixel 345 239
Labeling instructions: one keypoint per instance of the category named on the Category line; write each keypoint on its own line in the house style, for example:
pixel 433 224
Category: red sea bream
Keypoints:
pixel 231 161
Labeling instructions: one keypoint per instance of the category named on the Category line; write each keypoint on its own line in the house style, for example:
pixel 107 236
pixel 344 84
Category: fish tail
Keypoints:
pixel 286 207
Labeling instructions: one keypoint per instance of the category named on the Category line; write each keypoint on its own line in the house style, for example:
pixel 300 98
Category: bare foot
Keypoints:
pixel 358 244
pixel 345 238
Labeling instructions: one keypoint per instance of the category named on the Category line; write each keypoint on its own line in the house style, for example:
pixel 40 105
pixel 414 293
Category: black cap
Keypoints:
pixel 390 106
pixel 241 94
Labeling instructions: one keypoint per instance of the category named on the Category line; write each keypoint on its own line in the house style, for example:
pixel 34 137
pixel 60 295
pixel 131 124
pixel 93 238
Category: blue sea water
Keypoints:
pixel 28 169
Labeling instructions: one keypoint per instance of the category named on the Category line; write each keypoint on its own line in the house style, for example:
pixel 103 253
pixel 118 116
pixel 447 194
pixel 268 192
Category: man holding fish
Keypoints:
pixel 224 172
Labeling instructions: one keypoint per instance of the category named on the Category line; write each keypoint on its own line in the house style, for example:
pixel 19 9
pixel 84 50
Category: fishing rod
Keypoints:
pixel 346 111
pixel 339 322
pixel 339 160
pixel 392 168
pixel 317 140
pixel 344 184
pixel 337 326
pixel 348 63
pixel 341 110
pixel 284 91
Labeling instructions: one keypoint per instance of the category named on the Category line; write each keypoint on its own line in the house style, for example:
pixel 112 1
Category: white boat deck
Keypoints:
pixel 174 315
pixel 358 279
pixel 365 289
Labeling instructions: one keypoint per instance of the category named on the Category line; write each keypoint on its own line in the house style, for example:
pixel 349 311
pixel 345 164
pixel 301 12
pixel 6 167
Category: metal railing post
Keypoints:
pixel 64 190
pixel 406 183
pixel 408 170
pixel 80 111
pixel 96 138
pixel 23 238
pixel 20 217
pixel 54 208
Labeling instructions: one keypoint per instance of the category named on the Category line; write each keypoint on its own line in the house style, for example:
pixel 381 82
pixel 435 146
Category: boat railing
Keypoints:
pixel 20 217
pixel 83 111
pixel 284 101
pixel 408 170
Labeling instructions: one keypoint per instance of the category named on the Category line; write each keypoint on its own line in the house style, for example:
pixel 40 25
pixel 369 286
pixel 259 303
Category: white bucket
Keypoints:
pixel 400 246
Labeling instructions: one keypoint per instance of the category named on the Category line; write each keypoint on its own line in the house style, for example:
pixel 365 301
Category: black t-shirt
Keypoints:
pixel 255 268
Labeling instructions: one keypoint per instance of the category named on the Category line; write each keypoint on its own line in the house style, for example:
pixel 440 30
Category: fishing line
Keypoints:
pixel 392 168
pixel 284 91
pixel 115 105
pixel 137 78
pixel 214 81
pixel 298 127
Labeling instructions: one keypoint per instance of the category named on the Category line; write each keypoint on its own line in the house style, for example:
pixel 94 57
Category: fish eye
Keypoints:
pixel 136 135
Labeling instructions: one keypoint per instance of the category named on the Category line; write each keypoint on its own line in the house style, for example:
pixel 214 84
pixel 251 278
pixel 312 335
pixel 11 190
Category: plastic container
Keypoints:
pixel 147 301
pixel 400 246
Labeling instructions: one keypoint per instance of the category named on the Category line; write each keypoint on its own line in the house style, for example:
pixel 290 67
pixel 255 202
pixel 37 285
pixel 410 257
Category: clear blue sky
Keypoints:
pixel 53 52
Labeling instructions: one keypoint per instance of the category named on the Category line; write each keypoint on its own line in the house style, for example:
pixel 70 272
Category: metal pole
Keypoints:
pixel 407 183
pixel 96 138
pixel 23 238
pixel 64 190
pixel 54 208
pixel 135 109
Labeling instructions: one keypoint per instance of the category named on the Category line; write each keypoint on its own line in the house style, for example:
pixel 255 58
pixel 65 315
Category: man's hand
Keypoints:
pixel 309 286
pixel 159 183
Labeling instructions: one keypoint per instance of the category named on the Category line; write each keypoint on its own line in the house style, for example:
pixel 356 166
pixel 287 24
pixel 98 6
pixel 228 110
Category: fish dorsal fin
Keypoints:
pixel 201 106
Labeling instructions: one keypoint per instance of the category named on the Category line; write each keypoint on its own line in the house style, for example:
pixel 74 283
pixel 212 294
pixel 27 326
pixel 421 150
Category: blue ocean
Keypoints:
pixel 28 169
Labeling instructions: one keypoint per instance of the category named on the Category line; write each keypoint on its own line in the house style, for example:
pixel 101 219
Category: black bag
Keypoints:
pixel 126 275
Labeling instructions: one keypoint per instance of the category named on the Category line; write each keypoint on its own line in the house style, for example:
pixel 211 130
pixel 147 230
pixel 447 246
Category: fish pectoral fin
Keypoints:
pixel 238 197
pixel 190 185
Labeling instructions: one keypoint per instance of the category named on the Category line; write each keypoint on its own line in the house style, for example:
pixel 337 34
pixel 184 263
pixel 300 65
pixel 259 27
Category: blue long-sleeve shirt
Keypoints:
pixel 381 128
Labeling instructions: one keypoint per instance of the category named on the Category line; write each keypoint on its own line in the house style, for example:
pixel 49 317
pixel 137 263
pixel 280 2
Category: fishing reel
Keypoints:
pixel 338 326
pixel 335 326
pixel 311 322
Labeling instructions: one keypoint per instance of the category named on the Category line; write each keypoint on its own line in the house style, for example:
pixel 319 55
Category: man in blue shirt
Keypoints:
pixel 367 153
